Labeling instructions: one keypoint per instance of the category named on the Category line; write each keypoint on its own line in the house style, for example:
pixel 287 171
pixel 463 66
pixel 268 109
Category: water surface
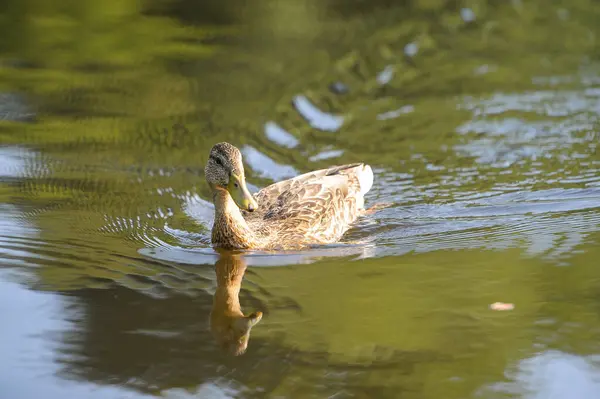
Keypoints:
pixel 480 122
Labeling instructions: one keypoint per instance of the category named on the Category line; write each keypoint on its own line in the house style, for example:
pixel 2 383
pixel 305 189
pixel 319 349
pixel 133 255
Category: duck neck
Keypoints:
pixel 230 229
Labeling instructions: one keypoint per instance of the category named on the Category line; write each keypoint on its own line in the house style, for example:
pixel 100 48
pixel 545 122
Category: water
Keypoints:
pixel 480 122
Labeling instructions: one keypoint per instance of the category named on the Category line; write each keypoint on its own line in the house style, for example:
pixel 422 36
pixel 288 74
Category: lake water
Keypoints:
pixel 480 120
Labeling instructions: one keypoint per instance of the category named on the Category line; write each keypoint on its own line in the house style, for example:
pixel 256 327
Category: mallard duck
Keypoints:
pixel 313 208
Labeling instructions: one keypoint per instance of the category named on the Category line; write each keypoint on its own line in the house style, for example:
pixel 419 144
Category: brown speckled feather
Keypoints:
pixel 313 208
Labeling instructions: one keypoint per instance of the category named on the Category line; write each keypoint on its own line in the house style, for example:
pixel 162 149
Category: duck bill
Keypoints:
pixel 241 195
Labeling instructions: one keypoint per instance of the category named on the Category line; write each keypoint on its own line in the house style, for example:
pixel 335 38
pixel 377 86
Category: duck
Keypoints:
pixel 313 208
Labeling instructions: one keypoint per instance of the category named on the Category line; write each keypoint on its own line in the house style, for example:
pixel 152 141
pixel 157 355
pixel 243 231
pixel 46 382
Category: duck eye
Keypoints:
pixel 217 159
pixel 236 185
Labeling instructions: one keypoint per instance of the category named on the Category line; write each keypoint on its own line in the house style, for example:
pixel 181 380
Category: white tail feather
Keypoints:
pixel 365 179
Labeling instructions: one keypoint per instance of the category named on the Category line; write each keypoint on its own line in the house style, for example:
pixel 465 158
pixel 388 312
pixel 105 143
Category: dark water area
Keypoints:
pixel 479 118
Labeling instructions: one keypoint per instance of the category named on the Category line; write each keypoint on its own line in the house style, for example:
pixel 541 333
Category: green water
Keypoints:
pixel 480 120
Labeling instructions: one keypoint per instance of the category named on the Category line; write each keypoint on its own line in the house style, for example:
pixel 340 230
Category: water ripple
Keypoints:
pixel 317 118
pixel 278 135
pixel 265 166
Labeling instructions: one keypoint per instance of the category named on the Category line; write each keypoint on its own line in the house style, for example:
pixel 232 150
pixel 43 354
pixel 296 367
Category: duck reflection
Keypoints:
pixel 228 324
pixel 163 336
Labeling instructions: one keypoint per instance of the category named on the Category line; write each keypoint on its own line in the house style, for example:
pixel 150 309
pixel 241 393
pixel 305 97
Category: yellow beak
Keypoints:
pixel 239 192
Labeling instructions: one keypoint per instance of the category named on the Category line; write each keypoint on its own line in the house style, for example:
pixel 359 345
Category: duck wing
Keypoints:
pixel 319 204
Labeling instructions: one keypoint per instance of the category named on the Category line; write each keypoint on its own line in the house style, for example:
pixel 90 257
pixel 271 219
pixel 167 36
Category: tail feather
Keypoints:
pixel 363 172
pixel 365 178
pixel 337 169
